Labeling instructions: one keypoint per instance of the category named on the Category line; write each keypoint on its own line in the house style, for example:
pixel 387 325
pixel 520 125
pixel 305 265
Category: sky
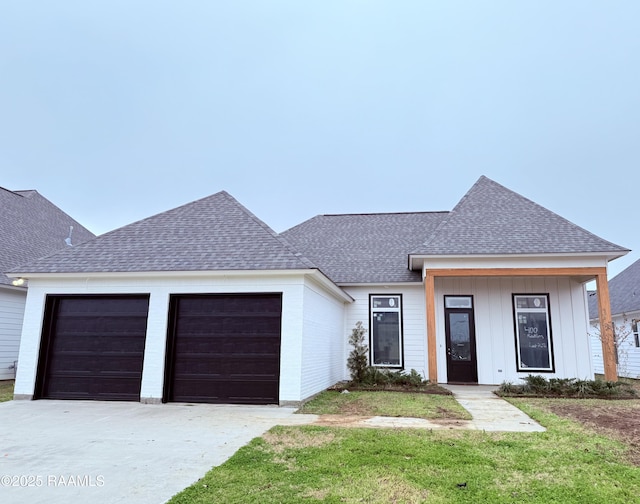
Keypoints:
pixel 118 110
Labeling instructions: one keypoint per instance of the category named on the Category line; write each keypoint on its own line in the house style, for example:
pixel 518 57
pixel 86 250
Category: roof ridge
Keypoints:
pixel 12 192
pixel 270 230
pixel 552 212
pixel 422 212
pixel 450 214
pixel 460 225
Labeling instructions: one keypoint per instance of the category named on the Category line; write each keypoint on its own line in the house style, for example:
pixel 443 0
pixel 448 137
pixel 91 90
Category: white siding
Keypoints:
pixel 11 315
pixel 628 353
pixel 294 329
pixel 323 354
pixel 494 325
pixel 413 322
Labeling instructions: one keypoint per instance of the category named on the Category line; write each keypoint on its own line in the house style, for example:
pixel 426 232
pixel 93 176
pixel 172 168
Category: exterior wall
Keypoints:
pixel 628 353
pixel 494 325
pixel 293 291
pixel 413 322
pixel 12 302
pixel 323 356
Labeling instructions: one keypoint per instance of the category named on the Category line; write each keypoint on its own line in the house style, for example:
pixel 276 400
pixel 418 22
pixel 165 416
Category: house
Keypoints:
pixel 30 227
pixel 624 291
pixel 206 303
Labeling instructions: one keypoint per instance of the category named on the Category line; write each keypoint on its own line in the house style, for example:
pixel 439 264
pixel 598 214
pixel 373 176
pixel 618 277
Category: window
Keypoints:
pixel 636 334
pixel 386 330
pixel 534 349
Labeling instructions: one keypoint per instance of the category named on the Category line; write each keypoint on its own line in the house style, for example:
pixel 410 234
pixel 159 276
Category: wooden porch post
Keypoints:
pixel 430 295
pixel 606 328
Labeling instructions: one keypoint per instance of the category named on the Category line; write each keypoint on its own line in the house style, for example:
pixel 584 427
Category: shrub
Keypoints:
pixel 375 377
pixel 358 359
pixel 536 385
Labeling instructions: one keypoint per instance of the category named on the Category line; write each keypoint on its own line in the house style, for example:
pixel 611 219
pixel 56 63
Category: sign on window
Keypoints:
pixel 533 333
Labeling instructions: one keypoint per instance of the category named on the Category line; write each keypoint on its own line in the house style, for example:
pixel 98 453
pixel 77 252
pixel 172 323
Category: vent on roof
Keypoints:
pixel 67 240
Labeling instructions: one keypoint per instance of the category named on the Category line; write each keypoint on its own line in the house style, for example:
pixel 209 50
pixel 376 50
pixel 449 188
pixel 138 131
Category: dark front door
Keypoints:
pixel 224 348
pixel 461 346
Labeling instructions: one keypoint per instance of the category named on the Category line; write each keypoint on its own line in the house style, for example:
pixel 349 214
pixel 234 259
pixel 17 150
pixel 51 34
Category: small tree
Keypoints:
pixel 358 357
pixel 621 335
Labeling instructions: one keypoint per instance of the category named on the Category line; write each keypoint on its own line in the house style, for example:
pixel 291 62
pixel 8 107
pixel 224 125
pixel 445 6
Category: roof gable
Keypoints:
pixel 493 220
pixel 32 227
pixel 213 233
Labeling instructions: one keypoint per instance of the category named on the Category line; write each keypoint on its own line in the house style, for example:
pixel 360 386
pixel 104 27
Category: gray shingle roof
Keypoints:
pixel 624 292
pixel 364 248
pixel 32 227
pixel 213 233
pixel 491 219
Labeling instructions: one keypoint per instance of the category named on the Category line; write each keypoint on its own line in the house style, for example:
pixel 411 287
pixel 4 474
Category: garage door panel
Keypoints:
pixel 227 325
pixel 244 392
pixel 222 366
pixel 101 305
pixel 93 347
pixel 225 348
pixel 89 325
pixel 115 343
pixel 90 363
pixel 240 345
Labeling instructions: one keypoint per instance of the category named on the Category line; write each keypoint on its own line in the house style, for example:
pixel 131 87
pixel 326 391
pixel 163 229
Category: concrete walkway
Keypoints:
pixel 490 412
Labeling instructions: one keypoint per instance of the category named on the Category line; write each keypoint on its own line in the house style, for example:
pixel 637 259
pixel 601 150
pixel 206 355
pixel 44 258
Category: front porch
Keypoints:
pixel 500 300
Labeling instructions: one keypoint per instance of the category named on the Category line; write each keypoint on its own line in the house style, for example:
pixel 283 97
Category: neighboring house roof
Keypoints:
pixel 32 227
pixel 493 220
pixel 624 292
pixel 213 233
pixel 364 248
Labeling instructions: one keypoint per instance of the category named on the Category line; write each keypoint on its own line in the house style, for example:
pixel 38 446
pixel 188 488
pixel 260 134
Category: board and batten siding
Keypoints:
pixel 495 331
pixel 12 303
pixel 628 353
pixel 159 289
pixel 413 322
pixel 323 354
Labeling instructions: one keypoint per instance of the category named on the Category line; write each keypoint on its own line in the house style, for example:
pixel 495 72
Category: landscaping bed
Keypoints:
pixel 363 403
pixel 539 386
pixel 426 388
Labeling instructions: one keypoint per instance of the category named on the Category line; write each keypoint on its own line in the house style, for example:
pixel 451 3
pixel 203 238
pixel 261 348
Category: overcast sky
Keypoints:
pixel 118 110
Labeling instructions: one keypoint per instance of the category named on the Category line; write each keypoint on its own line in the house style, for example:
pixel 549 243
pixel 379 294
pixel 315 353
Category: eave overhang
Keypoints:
pixel 314 275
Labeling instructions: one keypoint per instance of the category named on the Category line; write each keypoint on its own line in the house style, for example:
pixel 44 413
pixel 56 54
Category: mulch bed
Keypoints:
pixel 426 389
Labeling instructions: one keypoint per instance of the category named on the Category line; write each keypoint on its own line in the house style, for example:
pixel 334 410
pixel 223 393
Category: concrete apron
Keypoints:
pixel 62 452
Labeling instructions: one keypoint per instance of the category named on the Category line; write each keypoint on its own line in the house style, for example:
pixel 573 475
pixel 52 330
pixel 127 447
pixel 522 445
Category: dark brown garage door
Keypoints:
pixel 92 347
pixel 224 349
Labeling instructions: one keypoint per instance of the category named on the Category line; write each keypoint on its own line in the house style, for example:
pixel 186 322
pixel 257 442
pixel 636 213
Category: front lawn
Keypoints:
pixel 6 390
pixel 567 464
pixel 392 404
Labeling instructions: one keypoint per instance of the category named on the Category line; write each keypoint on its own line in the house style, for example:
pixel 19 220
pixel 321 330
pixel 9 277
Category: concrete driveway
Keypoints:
pixel 111 452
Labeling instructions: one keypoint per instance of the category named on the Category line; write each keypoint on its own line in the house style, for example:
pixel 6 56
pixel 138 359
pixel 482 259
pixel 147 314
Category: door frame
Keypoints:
pixel 473 363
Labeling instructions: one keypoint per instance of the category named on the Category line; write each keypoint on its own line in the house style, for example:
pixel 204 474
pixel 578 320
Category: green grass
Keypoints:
pixel 6 390
pixel 393 404
pixel 567 464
